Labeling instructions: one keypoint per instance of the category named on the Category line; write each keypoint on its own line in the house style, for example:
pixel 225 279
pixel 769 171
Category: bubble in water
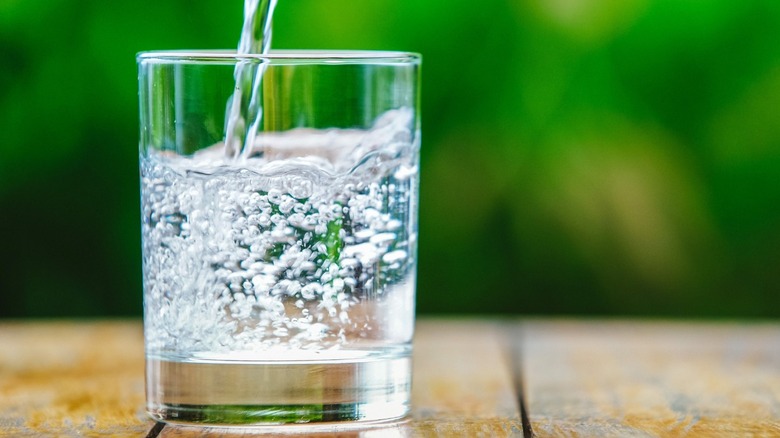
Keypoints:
pixel 259 254
pixel 394 256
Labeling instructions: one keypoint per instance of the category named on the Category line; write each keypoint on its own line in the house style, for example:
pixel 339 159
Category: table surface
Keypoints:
pixel 471 378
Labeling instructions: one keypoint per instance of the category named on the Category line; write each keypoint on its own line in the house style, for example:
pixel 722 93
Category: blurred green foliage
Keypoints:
pixel 579 156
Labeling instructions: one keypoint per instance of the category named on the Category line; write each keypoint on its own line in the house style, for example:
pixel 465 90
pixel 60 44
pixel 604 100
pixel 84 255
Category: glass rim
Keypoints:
pixel 280 57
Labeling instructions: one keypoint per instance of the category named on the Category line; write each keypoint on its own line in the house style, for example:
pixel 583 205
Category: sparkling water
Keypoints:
pixel 258 272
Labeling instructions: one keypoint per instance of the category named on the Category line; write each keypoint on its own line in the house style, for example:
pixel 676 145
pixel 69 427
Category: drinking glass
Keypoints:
pixel 279 270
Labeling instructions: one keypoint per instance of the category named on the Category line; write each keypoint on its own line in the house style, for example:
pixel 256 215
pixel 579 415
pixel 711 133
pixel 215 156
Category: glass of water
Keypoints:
pixel 279 258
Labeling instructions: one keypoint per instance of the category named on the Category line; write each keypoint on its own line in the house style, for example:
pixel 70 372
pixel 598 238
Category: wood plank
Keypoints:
pixel 71 379
pixel 86 379
pixel 662 379
pixel 463 382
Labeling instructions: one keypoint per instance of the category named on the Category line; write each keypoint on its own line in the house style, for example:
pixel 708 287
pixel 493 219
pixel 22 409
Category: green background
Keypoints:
pixel 599 157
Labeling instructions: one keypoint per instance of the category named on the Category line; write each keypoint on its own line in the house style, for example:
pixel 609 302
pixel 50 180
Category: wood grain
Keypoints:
pixel 71 379
pixel 463 381
pixel 664 379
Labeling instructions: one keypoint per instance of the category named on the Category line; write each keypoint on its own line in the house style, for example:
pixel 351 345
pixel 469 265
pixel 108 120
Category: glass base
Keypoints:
pixel 267 393
pixel 265 415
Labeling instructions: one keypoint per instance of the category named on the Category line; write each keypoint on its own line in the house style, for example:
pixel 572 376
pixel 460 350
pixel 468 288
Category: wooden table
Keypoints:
pixel 471 378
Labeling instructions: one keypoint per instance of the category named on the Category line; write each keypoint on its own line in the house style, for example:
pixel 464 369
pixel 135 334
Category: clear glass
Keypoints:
pixel 279 283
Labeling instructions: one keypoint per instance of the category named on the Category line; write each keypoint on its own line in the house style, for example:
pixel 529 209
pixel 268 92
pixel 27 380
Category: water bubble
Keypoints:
pixel 405 172
pixel 295 219
pixel 300 187
pixel 317 331
pixel 364 234
pixel 307 266
pixel 301 207
pixel 236 278
pixel 311 291
pixel 394 256
pixel 240 223
pixel 263 282
pixel 286 205
pixel 264 220
pixel 349 262
pixel 280 235
pixel 393 224
pixel 281 331
pixel 382 238
pixel 366 253
pixel 274 196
